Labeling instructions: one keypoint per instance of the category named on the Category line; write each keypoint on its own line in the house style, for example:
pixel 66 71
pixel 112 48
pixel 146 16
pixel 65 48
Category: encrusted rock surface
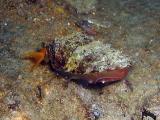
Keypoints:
pixel 129 26
pixel 83 6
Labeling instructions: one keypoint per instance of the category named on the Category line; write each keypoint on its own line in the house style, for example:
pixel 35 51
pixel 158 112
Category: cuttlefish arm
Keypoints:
pixel 36 56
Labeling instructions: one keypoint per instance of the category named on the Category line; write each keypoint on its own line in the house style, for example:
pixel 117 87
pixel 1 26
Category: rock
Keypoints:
pixel 83 6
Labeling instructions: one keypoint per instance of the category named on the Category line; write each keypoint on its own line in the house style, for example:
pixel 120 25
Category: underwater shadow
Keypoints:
pixel 79 79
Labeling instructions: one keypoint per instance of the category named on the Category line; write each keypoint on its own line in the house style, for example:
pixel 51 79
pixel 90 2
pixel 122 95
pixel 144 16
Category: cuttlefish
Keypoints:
pixel 89 62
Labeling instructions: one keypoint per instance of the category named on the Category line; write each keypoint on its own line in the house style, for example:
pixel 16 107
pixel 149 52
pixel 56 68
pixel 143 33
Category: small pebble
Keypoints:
pixel 137 54
pixel 5 24
pixel 19 77
pixel 96 111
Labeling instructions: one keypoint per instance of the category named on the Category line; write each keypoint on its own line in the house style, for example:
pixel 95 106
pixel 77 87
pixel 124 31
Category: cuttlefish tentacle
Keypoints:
pixel 36 56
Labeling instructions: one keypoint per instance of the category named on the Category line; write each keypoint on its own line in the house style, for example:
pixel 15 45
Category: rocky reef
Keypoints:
pixel 127 30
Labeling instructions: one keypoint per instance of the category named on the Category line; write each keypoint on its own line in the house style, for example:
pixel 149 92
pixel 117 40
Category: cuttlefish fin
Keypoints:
pixel 35 56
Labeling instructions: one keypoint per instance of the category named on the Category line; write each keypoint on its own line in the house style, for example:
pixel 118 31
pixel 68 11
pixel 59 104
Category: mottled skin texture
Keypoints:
pixel 103 77
pixel 56 65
